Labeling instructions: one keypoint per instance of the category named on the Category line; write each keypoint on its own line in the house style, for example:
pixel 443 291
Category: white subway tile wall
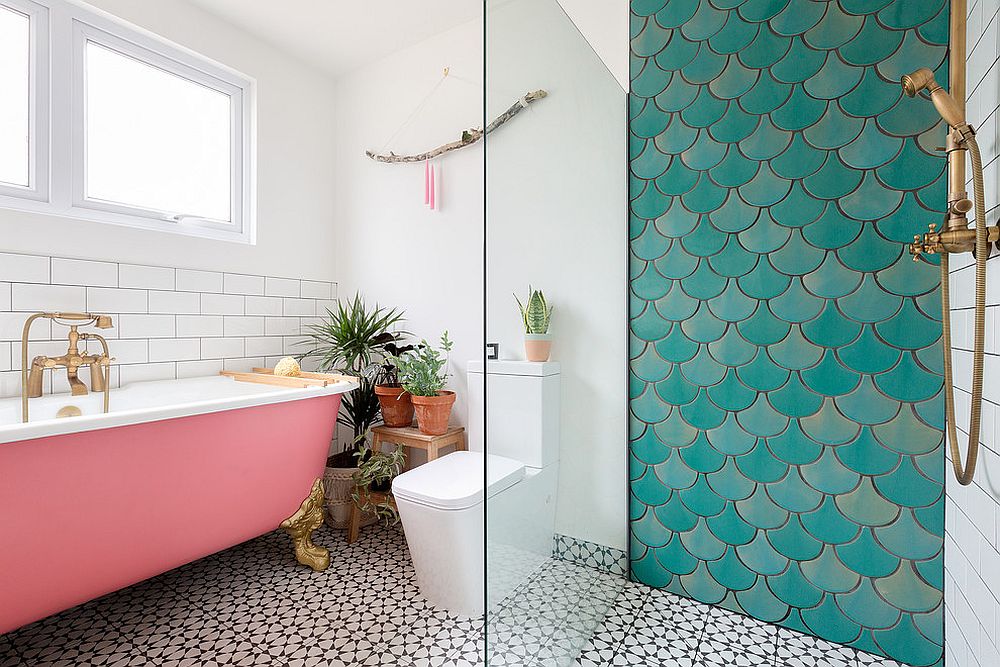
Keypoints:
pixel 169 323
pixel 972 515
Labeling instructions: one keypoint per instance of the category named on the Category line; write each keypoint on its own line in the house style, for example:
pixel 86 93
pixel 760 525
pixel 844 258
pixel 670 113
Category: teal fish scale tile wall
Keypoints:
pixel 786 454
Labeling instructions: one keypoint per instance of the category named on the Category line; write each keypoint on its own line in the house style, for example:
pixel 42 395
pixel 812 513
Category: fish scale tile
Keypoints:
pixel 785 439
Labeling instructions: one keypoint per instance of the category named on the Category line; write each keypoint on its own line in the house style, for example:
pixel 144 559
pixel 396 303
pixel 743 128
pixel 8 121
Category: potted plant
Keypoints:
pixel 536 315
pixel 424 372
pixel 352 340
pixel 375 472
pixel 397 409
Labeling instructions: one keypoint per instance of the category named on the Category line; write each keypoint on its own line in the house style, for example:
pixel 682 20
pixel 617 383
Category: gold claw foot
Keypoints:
pixel 300 527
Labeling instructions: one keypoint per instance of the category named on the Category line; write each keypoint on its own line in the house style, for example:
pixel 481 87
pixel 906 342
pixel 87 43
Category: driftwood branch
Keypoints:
pixel 469 137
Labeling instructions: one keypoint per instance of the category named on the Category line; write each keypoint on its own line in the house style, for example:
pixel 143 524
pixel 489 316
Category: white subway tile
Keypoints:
pixel 147 372
pixel 48 297
pixel 295 344
pixel 238 325
pixel 281 326
pixel 145 277
pixel 243 365
pixel 281 287
pixel 298 307
pixel 188 280
pixel 221 348
pixel 264 346
pixel 5 357
pixel 316 289
pixel 24 268
pixel 193 369
pixel 84 272
pixel 199 325
pixel 146 326
pixel 12 324
pixel 4 296
pixel 323 306
pixel 237 283
pixel 177 303
pixel 263 305
pixel 222 304
pixel 129 351
pixel 175 349
pixel 116 300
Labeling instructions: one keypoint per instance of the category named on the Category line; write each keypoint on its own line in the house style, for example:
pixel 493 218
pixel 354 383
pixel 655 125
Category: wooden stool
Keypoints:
pixel 402 437
pixel 410 436
pixel 364 495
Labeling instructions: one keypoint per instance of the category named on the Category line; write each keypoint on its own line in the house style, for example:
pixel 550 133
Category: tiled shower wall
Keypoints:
pixel 169 323
pixel 786 456
pixel 972 526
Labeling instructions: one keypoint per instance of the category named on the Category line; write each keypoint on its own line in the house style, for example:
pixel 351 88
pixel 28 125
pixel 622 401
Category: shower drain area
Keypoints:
pixel 253 605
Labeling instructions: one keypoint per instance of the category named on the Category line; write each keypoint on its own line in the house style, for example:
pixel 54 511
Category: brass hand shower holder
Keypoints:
pixel 955 237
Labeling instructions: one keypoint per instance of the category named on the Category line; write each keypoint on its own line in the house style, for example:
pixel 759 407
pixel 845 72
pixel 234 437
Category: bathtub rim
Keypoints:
pixel 43 428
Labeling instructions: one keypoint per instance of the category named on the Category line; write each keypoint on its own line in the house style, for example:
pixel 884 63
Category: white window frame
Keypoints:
pixel 70 26
pixel 38 101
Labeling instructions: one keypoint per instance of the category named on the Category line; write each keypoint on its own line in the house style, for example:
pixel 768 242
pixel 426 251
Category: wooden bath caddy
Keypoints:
pixel 303 379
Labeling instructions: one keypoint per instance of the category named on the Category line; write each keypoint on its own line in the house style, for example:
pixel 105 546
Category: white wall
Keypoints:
pixel 556 218
pixel 972 520
pixel 295 228
pixel 392 248
pixel 605 24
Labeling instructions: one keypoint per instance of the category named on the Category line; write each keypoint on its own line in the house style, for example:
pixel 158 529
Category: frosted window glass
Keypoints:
pixel 15 97
pixel 155 140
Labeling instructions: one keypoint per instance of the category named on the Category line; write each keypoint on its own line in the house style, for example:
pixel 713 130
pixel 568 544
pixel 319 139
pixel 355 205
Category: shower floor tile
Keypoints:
pixel 253 605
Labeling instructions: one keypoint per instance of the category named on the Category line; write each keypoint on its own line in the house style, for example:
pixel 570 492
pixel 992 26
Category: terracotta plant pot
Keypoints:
pixel 397 410
pixel 537 347
pixel 433 412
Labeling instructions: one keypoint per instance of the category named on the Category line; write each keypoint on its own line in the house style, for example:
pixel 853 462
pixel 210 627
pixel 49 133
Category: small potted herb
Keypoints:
pixel 536 316
pixel 397 409
pixel 423 372
pixel 376 470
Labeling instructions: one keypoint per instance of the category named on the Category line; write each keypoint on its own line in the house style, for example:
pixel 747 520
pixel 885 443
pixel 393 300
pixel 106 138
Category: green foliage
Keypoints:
pixel 377 468
pixel 537 314
pixel 354 340
pixel 423 371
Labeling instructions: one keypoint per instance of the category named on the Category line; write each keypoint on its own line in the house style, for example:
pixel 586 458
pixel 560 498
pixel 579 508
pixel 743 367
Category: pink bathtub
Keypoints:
pixel 178 470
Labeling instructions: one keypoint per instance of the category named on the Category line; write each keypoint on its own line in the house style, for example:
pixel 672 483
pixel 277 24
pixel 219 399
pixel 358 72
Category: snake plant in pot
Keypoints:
pixel 536 315
pixel 423 372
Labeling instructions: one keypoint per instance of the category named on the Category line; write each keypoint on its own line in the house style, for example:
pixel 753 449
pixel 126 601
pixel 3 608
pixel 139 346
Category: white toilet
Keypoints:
pixel 443 506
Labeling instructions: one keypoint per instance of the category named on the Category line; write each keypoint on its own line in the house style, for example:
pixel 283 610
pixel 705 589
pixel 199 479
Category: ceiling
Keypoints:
pixel 339 36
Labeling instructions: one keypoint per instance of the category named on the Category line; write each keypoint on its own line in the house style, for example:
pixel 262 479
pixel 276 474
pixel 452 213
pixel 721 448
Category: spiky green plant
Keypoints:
pixel 353 339
pixel 537 314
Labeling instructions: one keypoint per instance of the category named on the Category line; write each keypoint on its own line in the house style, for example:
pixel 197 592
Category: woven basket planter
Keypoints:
pixel 338 483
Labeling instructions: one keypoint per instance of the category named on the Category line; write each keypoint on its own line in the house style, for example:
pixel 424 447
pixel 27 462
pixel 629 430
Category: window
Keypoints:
pixel 22 111
pixel 145 133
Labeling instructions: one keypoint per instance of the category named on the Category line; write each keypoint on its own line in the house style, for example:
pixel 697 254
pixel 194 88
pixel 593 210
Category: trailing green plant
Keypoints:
pixel 424 371
pixel 354 339
pixel 537 314
pixel 377 469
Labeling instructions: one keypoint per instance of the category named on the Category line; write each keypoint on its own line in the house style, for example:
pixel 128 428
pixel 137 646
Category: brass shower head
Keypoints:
pixel 923 79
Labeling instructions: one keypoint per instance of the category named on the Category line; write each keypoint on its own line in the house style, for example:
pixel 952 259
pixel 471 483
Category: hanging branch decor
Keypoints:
pixel 469 137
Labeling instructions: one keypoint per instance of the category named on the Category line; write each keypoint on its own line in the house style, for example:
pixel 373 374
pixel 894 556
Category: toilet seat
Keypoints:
pixel 455 481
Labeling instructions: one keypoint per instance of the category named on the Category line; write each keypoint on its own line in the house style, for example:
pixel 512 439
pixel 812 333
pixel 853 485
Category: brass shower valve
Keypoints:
pixel 954 240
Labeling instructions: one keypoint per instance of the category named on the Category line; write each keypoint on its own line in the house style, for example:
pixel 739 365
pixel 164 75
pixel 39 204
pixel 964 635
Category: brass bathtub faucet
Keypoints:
pixel 100 364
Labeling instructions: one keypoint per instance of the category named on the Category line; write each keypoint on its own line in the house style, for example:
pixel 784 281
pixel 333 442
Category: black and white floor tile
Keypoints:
pixel 253 605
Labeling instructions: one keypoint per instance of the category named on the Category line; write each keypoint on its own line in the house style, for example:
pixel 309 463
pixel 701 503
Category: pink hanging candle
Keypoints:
pixel 432 188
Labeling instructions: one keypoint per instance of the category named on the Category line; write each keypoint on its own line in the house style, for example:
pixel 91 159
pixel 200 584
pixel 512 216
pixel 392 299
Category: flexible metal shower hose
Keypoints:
pixel 965 472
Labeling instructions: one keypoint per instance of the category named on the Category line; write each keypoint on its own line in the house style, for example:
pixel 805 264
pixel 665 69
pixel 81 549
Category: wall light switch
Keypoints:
pixel 492 351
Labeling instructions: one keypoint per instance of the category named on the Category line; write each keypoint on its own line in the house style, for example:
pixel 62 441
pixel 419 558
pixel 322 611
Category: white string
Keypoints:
pixel 415 112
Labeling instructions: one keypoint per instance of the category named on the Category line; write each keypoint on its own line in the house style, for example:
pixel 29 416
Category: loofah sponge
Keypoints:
pixel 288 367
